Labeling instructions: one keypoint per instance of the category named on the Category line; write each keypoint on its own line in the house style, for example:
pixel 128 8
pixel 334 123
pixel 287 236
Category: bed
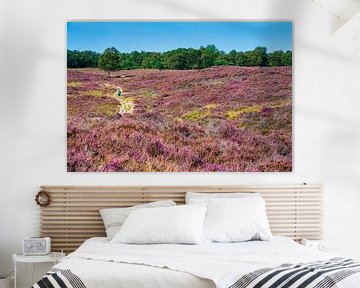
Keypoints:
pixel 294 211
pixel 99 263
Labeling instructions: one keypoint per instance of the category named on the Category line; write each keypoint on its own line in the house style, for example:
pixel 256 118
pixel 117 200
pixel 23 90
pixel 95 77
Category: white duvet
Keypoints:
pixel 100 263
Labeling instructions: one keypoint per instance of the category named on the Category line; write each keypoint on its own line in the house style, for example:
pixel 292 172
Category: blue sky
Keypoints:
pixel 164 36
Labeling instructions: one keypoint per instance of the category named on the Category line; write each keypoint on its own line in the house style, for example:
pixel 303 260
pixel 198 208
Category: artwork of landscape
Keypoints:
pixel 179 97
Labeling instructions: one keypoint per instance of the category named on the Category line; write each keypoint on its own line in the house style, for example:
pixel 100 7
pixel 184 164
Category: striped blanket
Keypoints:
pixel 320 274
pixel 57 278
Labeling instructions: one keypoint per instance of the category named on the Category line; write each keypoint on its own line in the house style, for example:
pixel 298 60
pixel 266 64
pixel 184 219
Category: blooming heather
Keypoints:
pixel 220 119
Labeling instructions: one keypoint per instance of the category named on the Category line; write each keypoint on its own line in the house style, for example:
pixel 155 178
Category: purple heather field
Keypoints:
pixel 226 118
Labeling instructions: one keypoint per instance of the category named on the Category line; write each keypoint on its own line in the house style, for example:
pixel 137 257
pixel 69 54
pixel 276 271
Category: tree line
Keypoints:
pixel 179 59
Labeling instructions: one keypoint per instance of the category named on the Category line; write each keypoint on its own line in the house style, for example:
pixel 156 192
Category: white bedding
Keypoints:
pixel 102 264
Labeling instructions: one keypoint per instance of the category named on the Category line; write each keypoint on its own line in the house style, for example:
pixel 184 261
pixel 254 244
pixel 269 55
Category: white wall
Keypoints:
pixel 33 103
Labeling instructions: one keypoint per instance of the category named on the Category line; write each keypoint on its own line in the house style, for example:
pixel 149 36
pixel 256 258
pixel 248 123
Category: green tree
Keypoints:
pixel 157 61
pixel 135 58
pixel 222 59
pixel 193 58
pixel 110 60
pixel 232 57
pixel 287 58
pixel 258 57
pixel 176 59
pixel 82 59
pixel 244 58
pixel 179 59
pixel 208 56
pixel 156 64
pixel 276 58
pixel 221 62
pixel 126 63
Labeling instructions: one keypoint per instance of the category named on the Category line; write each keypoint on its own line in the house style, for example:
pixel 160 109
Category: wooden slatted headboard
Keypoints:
pixel 73 215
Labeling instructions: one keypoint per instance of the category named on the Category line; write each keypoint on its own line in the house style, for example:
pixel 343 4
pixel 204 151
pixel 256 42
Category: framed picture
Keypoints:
pixel 179 96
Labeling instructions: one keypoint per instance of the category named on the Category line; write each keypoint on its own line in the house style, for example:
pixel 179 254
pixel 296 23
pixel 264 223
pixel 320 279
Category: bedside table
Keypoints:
pixel 52 257
pixel 320 245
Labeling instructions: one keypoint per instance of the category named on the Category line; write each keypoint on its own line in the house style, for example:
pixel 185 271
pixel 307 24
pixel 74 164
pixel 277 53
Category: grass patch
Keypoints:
pixel 281 104
pixel 232 114
pixel 199 114
pixel 264 125
pixel 96 93
pixel 106 109
pixel 74 84
pixel 277 120
pixel 126 106
pixel 148 93
pixel 127 99
pixel 211 106
pixel 196 115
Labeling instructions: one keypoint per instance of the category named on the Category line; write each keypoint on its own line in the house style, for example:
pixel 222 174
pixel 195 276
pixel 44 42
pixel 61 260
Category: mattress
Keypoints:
pixel 99 263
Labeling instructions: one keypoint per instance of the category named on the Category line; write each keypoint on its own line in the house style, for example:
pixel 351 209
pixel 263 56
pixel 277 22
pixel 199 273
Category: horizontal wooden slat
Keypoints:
pixel 99 198
pixel 93 219
pixel 73 216
pixel 72 226
pixel 49 232
pixel 187 188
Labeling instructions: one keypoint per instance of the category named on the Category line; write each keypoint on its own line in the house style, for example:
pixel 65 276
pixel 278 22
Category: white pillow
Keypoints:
pixel 236 220
pixel 203 198
pixel 113 218
pixel 173 225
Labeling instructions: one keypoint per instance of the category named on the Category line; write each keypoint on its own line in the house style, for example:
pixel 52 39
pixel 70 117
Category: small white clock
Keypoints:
pixel 320 245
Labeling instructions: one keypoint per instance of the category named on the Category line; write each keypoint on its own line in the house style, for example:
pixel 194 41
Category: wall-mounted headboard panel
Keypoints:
pixel 73 215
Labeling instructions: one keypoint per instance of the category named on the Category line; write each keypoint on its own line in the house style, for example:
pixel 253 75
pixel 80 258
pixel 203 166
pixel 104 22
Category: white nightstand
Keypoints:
pixel 320 245
pixel 53 257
